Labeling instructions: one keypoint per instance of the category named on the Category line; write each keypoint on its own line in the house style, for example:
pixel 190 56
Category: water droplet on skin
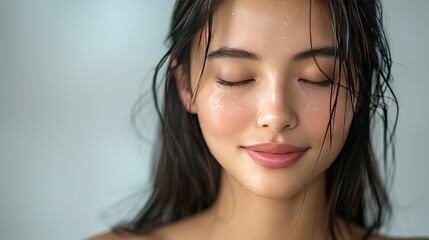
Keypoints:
pixel 232 125
pixel 250 186
pixel 305 94
pixel 215 103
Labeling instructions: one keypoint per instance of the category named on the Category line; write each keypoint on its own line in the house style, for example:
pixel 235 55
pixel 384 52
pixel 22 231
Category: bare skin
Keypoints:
pixel 256 202
pixel 186 229
pixel 218 223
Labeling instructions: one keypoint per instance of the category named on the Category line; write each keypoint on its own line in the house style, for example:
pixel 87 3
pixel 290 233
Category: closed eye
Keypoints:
pixel 234 83
pixel 325 83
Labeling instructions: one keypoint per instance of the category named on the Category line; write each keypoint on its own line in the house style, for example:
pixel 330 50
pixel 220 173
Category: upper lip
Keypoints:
pixel 275 148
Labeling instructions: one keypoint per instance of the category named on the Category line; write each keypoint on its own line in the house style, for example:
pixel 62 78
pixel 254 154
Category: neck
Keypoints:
pixel 240 214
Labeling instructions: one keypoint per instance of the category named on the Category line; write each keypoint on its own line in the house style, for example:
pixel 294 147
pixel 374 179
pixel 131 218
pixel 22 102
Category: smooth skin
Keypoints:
pixel 261 85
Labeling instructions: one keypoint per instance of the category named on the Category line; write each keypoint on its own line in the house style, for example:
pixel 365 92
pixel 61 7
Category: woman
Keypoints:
pixel 267 122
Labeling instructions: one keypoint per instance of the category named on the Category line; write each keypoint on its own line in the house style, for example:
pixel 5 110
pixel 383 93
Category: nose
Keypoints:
pixel 276 109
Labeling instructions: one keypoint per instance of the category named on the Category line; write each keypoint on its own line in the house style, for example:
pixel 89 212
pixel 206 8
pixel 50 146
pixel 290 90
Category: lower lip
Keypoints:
pixel 272 160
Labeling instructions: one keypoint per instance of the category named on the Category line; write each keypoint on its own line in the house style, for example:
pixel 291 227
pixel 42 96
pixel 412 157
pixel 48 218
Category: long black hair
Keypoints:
pixel 186 178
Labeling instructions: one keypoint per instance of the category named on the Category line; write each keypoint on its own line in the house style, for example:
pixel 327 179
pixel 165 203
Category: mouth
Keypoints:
pixel 275 155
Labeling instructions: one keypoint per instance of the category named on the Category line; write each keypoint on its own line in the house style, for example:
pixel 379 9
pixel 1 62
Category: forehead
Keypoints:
pixel 272 28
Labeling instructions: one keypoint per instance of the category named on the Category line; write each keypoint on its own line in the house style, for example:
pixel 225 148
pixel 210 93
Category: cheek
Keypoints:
pixel 317 116
pixel 340 129
pixel 317 105
pixel 221 113
pixel 315 109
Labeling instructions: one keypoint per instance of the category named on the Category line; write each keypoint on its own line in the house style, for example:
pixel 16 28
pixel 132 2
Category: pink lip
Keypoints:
pixel 275 155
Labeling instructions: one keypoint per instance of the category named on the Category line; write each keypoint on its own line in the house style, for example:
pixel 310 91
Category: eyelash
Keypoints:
pixel 325 83
pixel 235 84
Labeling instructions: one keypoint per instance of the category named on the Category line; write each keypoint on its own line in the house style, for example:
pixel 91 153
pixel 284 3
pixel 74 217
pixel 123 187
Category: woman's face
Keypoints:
pixel 261 85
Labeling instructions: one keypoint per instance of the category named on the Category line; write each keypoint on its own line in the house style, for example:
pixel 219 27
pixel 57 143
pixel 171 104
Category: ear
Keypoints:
pixel 183 87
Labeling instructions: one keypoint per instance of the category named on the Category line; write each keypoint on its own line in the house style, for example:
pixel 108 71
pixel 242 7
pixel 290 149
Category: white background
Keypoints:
pixel 70 72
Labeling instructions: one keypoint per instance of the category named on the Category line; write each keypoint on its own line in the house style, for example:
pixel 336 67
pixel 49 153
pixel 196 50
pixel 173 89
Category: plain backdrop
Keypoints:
pixel 70 71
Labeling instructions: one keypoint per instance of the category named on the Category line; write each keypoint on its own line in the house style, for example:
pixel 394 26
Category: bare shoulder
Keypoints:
pixel 183 229
pixel 359 232
pixel 123 236
pixel 390 238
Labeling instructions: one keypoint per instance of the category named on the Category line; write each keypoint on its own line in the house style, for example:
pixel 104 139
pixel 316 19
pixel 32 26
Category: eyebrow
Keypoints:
pixel 227 52
pixel 322 51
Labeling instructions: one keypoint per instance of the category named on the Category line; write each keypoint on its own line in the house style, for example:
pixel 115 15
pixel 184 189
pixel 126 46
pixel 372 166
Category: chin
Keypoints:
pixel 281 186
